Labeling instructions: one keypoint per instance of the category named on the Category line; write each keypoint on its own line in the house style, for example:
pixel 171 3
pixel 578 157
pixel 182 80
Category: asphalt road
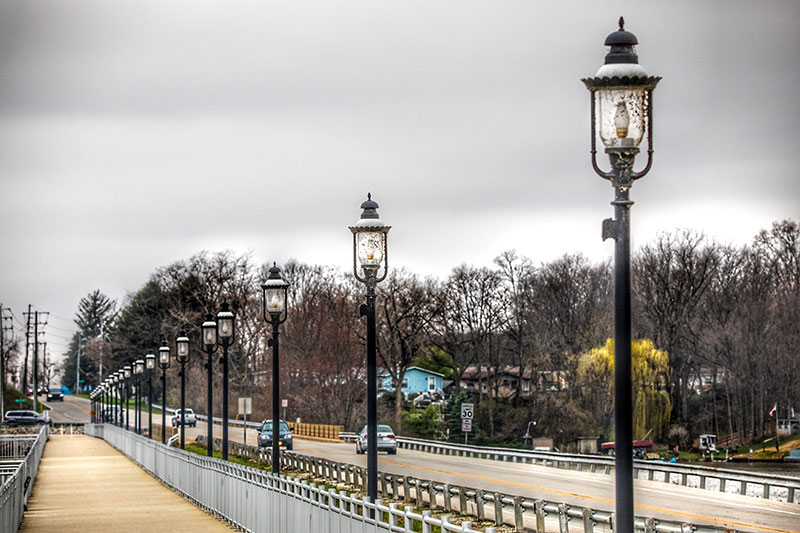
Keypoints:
pixel 657 499
pixel 72 410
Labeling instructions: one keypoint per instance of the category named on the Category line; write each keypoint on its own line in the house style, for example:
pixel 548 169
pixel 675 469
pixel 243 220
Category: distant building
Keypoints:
pixel 416 380
pixel 509 378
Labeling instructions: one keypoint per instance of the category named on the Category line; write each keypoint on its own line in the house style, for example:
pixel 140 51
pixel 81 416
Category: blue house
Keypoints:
pixel 416 380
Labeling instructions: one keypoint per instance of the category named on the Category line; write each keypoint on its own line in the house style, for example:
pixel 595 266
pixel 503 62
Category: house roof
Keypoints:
pixel 425 370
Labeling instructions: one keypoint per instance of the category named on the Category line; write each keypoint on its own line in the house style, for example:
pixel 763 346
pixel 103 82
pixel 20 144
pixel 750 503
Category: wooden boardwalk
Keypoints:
pixel 84 484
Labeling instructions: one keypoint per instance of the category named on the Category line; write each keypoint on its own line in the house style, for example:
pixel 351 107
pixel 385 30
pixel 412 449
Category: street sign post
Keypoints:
pixel 467 413
pixel 245 408
pixel 284 404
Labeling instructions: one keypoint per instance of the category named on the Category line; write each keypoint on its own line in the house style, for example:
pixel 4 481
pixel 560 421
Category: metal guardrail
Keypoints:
pixel 536 515
pixel 767 486
pixel 16 488
pixel 254 500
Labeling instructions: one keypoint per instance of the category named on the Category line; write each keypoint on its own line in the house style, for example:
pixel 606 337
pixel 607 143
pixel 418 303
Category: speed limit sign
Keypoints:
pixel 467 410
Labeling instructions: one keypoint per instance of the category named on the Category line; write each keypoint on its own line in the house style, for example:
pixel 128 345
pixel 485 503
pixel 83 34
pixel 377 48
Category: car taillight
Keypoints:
pixel 389 436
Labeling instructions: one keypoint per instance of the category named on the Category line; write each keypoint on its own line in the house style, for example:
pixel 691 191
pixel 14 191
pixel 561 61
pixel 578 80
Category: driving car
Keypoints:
pixel 387 442
pixel 21 417
pixel 188 418
pixel 265 435
pixel 55 394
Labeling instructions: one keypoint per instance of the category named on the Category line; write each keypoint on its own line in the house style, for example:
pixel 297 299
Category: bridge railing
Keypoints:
pixel 17 485
pixel 513 510
pixel 255 500
pixel 768 486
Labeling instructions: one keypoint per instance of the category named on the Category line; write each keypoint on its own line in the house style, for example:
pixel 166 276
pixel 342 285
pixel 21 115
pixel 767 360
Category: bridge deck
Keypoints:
pixel 84 484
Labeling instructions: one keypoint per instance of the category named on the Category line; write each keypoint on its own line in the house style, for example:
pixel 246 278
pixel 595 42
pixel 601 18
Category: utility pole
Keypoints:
pixel 27 347
pixel 36 361
pixel 36 343
pixel 78 367
pixel 3 328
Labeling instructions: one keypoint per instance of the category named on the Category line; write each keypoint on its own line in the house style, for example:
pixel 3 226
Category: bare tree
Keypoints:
pixel 407 308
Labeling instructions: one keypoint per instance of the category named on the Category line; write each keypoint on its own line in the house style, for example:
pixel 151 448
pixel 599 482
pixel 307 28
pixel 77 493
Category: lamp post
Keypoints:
pixel 182 356
pixel 163 363
pixel 275 292
pixel 209 328
pixel 150 365
pixel 371 253
pixel 138 369
pixel 126 376
pixel 527 437
pixel 115 397
pixel 622 110
pixel 225 327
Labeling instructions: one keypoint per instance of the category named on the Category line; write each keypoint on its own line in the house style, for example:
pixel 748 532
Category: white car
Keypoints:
pixel 188 418
pixel 387 442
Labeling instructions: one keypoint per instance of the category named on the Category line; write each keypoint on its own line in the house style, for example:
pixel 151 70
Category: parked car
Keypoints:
pixel 188 418
pixel 55 394
pixel 387 442
pixel 20 417
pixel 265 435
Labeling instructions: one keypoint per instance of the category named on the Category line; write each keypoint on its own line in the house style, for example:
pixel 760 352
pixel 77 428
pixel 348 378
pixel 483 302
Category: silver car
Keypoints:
pixel 387 442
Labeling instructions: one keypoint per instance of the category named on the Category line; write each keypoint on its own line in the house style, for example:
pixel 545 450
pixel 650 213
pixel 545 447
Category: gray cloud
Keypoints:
pixel 137 133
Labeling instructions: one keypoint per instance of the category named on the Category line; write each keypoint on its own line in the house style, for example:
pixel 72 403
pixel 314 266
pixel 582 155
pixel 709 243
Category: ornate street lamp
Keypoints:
pixel 126 376
pixel 371 253
pixel 138 370
pixel 275 295
pixel 150 365
pixel 163 363
pixel 209 328
pixel 225 329
pixel 182 356
pixel 622 112
pixel 115 399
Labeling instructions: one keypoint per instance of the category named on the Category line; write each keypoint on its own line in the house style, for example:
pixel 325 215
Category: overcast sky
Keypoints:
pixel 137 133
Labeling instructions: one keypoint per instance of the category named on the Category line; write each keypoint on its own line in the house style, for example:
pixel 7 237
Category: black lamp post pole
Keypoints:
pixel 210 370
pixel 182 418
pixel 276 399
pixel 127 401
pixel 163 404
pixel 224 361
pixel 368 310
pixel 150 403
pixel 619 230
pixel 139 404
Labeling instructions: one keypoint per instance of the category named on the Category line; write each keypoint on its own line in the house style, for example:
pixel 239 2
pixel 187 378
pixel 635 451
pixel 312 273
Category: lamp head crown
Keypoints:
pixel 370 208
pixel 622 45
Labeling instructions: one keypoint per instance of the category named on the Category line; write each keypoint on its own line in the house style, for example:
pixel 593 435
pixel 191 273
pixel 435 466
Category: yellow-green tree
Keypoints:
pixel 650 374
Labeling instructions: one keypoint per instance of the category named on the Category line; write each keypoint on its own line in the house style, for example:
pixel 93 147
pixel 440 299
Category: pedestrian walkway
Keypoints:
pixel 86 485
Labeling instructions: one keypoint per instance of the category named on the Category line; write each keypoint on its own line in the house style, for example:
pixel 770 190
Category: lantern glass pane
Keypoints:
pixel 276 299
pixel 163 356
pixel 210 335
pixel 183 349
pixel 150 362
pixel 225 326
pixel 620 116
pixel 370 248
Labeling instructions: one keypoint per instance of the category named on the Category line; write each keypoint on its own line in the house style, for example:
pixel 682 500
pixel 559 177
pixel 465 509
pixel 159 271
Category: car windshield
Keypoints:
pixel 267 426
pixel 55 390
pixel 384 429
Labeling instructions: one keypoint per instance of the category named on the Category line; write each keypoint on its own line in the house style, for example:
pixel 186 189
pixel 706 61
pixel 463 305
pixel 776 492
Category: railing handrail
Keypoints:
pixel 241 498
pixel 16 488
pixel 676 468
